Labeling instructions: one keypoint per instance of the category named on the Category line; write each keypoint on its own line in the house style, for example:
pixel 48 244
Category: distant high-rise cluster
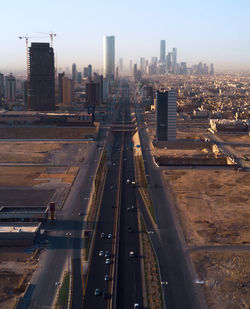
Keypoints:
pixel 167 63
pixel 109 57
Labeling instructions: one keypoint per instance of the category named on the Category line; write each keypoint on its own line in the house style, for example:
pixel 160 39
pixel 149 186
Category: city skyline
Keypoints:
pixel 210 33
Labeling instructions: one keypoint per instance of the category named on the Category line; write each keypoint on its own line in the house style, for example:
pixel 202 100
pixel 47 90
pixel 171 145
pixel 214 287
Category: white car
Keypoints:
pixel 131 254
pixel 108 261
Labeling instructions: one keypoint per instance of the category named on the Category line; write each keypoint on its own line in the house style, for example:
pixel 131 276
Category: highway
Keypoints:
pixel 129 284
pixel 126 290
pixel 97 267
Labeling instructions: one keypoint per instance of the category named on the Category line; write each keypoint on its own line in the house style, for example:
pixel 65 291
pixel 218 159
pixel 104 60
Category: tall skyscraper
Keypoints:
pixel 10 88
pixel 166 116
pixel 92 94
pixel 169 61
pixel 142 65
pixel 130 66
pixel 42 77
pixel 74 73
pixel 89 71
pixel 211 72
pixel 120 65
pixel 1 87
pixel 105 89
pixel 85 72
pixel 60 87
pixel 174 57
pixel 109 56
pixel 163 51
pixel 116 72
pixel 67 85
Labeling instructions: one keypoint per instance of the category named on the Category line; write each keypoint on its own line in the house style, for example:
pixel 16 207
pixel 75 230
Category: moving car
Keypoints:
pixel 108 261
pixel 98 292
pixel 106 278
pixel 131 254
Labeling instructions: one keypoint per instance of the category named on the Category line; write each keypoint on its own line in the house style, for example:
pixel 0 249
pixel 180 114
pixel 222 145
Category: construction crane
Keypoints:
pixel 27 53
pixel 27 60
pixel 52 35
pixel 27 50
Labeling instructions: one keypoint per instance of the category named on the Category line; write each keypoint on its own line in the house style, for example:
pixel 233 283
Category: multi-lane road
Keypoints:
pixel 118 213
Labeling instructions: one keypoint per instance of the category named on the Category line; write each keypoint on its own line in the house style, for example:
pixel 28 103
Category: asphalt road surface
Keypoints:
pixel 43 285
pixel 179 292
pixel 129 287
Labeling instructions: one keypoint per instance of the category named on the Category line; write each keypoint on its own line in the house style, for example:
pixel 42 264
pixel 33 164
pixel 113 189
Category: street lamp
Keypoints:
pixel 68 234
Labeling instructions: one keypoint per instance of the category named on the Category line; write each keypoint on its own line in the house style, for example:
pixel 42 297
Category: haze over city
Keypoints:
pixel 210 32
pixel 124 154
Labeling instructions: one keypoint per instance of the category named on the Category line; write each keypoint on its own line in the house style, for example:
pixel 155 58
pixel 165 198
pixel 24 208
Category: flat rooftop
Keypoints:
pixel 9 209
pixel 18 229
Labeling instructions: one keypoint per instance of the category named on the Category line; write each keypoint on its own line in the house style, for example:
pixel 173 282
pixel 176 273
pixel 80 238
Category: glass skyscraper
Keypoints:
pixel 163 51
pixel 109 56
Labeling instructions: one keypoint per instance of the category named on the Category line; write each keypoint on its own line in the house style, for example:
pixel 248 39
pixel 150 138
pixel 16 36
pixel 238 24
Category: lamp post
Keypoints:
pixel 68 234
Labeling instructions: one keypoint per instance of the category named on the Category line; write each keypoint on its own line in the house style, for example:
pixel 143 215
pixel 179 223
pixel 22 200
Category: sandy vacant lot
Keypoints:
pixel 213 205
pixel 48 132
pixel 14 263
pixel 23 152
pixel 21 175
pixel 226 277
pixel 180 153
pixel 235 138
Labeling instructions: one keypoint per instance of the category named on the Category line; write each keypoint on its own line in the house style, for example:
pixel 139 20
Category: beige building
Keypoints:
pixel 67 86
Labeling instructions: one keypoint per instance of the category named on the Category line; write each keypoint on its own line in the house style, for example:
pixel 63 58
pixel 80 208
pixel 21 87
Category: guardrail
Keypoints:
pixel 100 193
pixel 112 303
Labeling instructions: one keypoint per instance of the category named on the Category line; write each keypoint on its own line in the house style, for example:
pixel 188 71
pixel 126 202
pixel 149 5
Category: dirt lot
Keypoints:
pixel 195 152
pixel 226 277
pixel 21 175
pixel 14 263
pixel 235 138
pixel 48 132
pixel 23 152
pixel 213 205
pixel 28 197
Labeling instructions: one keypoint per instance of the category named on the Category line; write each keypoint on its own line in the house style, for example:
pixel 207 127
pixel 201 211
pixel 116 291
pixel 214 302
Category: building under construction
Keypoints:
pixel 42 77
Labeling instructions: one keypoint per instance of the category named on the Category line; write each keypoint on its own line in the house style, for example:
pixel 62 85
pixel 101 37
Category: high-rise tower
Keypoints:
pixel 109 56
pixel 74 73
pixel 1 87
pixel 174 56
pixel 42 77
pixel 166 115
pixel 163 51
pixel 10 88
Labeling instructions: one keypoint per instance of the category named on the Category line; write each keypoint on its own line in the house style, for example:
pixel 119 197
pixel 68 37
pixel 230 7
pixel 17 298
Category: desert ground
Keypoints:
pixel 32 174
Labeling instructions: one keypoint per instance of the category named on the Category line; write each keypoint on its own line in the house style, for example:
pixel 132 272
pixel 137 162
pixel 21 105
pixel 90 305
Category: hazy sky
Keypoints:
pixel 215 31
